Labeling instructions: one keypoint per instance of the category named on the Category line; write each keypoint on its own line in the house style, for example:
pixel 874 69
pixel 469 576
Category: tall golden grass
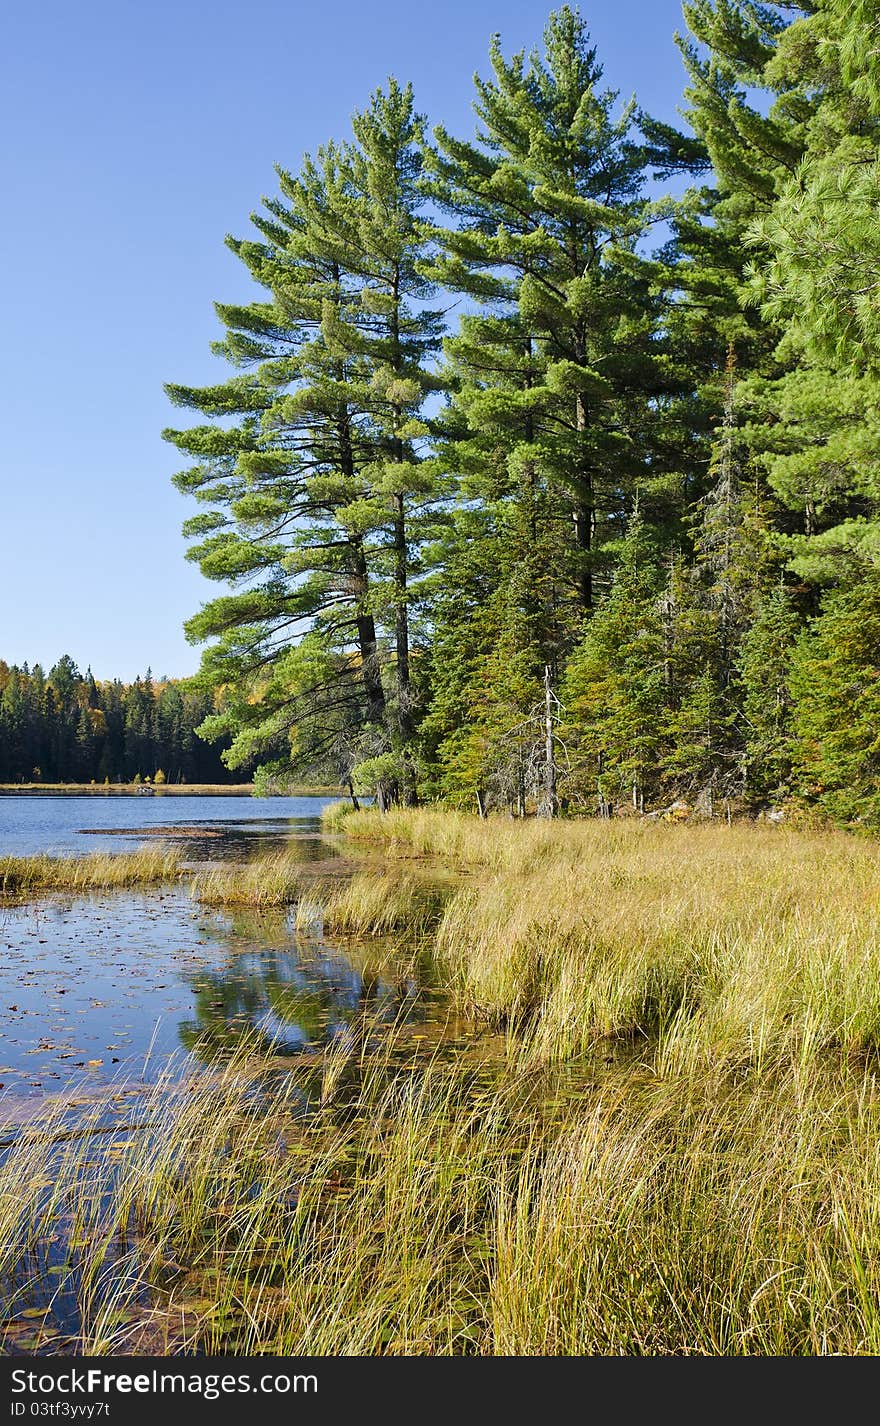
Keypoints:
pixel 377 901
pixel 98 871
pixel 715 1189
pixel 732 943
pixel 425 1210
pixel 270 880
pixel 366 903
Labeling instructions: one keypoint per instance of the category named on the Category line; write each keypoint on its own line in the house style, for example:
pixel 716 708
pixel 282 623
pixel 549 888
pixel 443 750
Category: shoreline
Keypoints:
pixel 133 789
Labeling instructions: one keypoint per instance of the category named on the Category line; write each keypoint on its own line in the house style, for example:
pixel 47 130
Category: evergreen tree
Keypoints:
pixel 72 728
pixel 480 734
pixel 15 740
pixel 549 212
pixel 809 424
pixel 713 608
pixel 763 669
pixel 615 693
pixel 835 686
pixel 647 475
pixel 821 232
pixel 318 489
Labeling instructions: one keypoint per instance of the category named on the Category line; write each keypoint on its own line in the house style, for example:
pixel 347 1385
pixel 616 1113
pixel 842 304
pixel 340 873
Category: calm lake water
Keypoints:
pixel 108 987
pixel 69 826
pixel 104 993
pixel 103 987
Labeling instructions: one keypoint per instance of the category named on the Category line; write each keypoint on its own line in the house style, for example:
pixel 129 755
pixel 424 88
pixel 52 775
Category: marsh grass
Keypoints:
pixel 714 1190
pixel 735 944
pixel 425 1209
pixel 335 816
pixel 270 880
pixel 366 903
pixel 371 903
pixel 97 871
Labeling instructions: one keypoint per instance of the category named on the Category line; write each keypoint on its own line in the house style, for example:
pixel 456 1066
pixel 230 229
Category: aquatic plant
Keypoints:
pixel 269 880
pixel 374 902
pixel 424 1209
pixel 98 871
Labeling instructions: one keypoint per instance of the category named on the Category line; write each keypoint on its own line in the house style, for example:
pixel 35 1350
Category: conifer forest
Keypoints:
pixel 66 726
pixel 544 472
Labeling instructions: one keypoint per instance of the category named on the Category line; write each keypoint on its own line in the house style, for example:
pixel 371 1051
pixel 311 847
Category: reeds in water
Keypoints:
pixel 97 871
pixel 372 903
pixel 428 1211
pixel 273 880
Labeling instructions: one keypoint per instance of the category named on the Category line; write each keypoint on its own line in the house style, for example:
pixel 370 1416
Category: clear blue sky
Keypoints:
pixel 135 135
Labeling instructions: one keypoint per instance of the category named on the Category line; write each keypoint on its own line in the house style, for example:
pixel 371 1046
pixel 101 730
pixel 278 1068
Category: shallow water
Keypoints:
pixel 68 826
pixel 103 987
pixel 103 994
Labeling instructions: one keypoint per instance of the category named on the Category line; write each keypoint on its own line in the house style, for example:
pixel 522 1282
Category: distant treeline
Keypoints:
pixel 65 726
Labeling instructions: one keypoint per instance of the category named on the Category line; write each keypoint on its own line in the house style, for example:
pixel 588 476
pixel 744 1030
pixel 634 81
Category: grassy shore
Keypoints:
pixel 677 1149
pixel 734 945
pixel 425 1211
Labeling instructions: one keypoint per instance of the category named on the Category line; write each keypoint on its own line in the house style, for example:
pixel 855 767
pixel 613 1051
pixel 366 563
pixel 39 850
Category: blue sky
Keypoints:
pixel 134 137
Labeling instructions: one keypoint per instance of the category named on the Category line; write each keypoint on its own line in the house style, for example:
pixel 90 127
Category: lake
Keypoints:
pixel 104 994
pixel 97 988
pixel 108 987
pixel 70 826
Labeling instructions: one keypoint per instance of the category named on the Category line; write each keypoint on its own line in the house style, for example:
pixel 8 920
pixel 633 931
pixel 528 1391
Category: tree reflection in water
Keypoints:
pixel 285 992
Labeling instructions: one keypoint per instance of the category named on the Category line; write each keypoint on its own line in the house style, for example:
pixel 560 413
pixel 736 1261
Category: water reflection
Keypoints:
pixel 105 987
pixel 69 826
pixel 290 1000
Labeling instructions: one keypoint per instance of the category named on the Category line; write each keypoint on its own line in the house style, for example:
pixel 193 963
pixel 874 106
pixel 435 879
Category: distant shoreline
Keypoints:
pixel 133 789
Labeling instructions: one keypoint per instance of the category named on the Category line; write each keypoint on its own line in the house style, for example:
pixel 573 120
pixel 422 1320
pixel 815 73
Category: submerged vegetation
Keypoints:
pixel 423 1209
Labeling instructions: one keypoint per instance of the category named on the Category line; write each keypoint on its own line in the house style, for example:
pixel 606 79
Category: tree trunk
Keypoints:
pixel 583 512
pixel 604 810
pixel 401 635
pixel 550 807
pixel 354 802
pixel 401 563
pixel 481 804
pixel 366 626
pixel 369 652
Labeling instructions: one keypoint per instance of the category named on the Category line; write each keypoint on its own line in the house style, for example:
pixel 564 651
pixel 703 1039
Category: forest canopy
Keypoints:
pixel 545 471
